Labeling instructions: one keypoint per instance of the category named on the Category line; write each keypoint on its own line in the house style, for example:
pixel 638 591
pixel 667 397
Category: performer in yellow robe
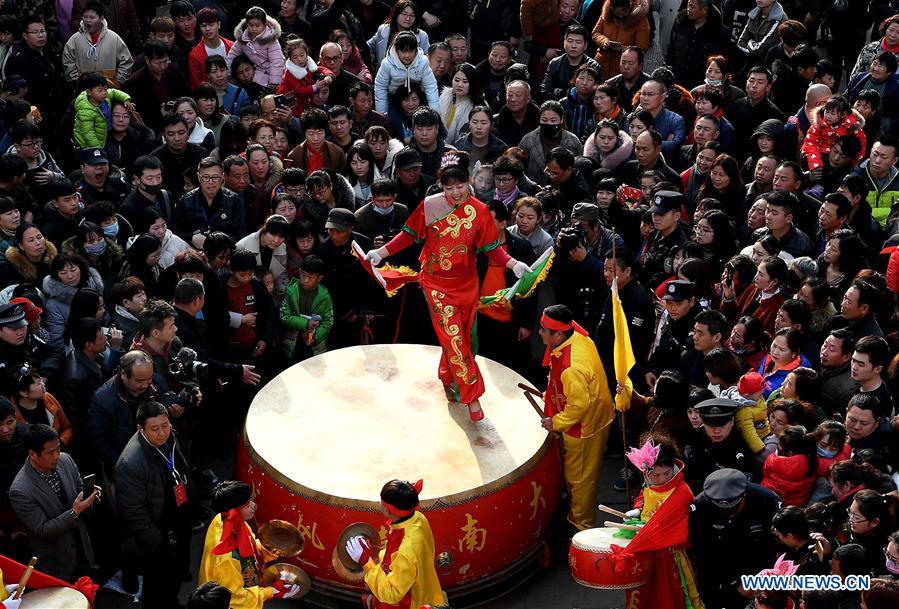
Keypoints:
pixel 232 556
pixel 6 592
pixel 578 404
pixel 405 576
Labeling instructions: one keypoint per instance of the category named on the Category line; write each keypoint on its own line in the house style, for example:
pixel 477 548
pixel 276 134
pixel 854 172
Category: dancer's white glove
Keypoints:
pixel 376 256
pixel 520 268
pixel 358 549
pixel 634 513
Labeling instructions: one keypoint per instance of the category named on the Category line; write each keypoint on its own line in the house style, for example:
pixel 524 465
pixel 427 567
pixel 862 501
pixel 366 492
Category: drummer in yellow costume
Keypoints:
pixel 579 405
pixel 6 592
pixel 232 556
pixel 405 576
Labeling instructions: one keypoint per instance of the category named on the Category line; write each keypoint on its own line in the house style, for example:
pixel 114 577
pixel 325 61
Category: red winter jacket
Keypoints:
pixel 300 80
pixel 822 136
pixel 824 463
pixel 196 61
pixel 788 477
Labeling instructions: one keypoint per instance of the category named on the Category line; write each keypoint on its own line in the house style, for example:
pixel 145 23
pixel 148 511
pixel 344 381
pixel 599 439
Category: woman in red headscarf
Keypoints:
pixel 232 556
pixel 405 576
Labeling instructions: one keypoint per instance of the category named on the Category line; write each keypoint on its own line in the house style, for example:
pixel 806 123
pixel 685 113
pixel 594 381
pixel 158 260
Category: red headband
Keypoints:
pixel 557 326
pixel 399 513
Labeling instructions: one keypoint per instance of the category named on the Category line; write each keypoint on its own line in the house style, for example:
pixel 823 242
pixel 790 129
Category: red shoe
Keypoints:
pixel 475 416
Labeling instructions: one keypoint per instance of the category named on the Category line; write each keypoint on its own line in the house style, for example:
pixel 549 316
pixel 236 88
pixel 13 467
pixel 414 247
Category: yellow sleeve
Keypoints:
pixel 744 422
pixel 2 588
pixel 577 398
pixel 227 574
pixel 390 588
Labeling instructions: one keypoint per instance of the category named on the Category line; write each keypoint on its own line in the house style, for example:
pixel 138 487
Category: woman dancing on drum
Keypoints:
pixel 664 505
pixel 404 575
pixel 453 227
pixel 232 556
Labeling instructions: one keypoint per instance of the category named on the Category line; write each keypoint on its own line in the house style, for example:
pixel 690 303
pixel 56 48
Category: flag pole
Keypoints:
pixel 627 479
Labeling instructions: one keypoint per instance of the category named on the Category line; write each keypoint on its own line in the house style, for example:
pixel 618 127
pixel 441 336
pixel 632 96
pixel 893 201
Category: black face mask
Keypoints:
pixel 550 131
pixel 151 189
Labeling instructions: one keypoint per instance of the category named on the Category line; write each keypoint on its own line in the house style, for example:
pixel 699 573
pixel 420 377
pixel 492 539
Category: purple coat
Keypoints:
pixel 264 51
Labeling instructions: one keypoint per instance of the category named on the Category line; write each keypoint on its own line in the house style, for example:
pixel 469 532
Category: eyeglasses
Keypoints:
pixel 36 32
pixel 210 179
pixel 502 180
pixel 32 144
pixel 857 518
pixel 295 188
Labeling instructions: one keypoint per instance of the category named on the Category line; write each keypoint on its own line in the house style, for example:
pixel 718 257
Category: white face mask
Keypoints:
pixel 384 211
pixel 713 83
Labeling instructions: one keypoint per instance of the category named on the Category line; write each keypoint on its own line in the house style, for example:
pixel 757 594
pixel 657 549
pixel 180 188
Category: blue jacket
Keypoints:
pixel 669 123
pixel 393 74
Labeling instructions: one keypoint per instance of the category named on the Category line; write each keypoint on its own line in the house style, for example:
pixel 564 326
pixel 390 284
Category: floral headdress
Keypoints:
pixel 644 458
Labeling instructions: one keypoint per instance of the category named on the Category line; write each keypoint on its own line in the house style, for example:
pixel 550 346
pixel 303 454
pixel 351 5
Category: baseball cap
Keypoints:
pixel 32 311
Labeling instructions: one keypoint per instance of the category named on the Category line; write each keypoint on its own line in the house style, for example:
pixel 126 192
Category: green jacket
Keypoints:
pixel 296 325
pixel 90 124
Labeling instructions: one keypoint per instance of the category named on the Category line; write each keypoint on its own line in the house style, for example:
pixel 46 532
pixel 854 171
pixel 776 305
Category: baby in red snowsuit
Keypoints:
pixel 833 121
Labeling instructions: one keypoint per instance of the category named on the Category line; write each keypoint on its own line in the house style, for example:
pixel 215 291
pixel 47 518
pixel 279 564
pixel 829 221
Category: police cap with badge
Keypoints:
pixel 666 200
pixel 12 316
pixel 726 487
pixel 679 290
pixel 717 412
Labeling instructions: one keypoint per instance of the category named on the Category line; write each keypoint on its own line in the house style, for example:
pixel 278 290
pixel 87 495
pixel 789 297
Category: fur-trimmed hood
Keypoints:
pixel 55 289
pixel 639 10
pixel 23 266
pixel 271 33
pixel 299 72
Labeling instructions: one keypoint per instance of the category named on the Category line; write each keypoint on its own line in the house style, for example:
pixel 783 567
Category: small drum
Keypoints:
pixel 589 555
pixel 57 598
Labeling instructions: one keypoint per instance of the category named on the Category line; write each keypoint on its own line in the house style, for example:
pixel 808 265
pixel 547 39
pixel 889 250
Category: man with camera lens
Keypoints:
pixel 581 249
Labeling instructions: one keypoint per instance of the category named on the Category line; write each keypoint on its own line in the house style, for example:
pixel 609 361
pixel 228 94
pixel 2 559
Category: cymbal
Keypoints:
pixel 281 538
pixel 357 528
pixel 289 574
pixel 352 576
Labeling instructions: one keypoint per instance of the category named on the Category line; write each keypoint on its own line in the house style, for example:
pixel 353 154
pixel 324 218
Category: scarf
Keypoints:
pixel 235 534
pixel 509 199
pixel 884 47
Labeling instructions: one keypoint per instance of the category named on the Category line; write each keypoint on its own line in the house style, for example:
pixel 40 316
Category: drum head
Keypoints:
pixel 336 427
pixel 357 528
pixel 290 575
pixel 281 538
pixel 54 598
pixel 598 539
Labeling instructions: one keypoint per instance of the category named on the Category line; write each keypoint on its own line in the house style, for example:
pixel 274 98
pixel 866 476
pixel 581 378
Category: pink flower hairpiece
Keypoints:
pixel 644 458
pixel 781 567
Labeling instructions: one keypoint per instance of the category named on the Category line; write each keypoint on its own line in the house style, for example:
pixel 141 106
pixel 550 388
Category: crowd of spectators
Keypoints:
pixel 183 182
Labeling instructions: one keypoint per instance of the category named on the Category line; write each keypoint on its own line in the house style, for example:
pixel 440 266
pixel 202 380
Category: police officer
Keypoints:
pixel 658 259
pixel 674 334
pixel 720 446
pixel 18 345
pixel 730 522
pixel 639 310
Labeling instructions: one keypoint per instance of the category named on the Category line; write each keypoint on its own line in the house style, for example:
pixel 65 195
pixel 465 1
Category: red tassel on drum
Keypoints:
pixel 619 558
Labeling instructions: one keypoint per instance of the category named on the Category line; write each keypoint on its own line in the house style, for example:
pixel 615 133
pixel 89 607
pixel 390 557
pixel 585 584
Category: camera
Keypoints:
pixel 570 237
pixel 185 368
pixel 287 100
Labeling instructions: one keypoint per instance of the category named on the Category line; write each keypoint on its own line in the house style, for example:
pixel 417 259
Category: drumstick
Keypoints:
pixel 618 525
pixel 611 511
pixel 24 579
pixel 530 397
pixel 529 389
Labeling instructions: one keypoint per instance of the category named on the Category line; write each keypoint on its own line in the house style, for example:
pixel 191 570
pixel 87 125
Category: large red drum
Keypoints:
pixel 589 555
pixel 323 437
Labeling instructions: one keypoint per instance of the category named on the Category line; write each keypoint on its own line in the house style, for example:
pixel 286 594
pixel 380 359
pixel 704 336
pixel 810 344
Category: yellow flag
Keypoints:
pixel 623 353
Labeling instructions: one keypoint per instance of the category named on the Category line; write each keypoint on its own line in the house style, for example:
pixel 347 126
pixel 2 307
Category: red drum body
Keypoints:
pixel 588 558
pixel 323 437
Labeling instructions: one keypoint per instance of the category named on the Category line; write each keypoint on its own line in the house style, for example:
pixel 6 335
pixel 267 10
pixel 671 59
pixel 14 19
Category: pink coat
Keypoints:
pixel 264 51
